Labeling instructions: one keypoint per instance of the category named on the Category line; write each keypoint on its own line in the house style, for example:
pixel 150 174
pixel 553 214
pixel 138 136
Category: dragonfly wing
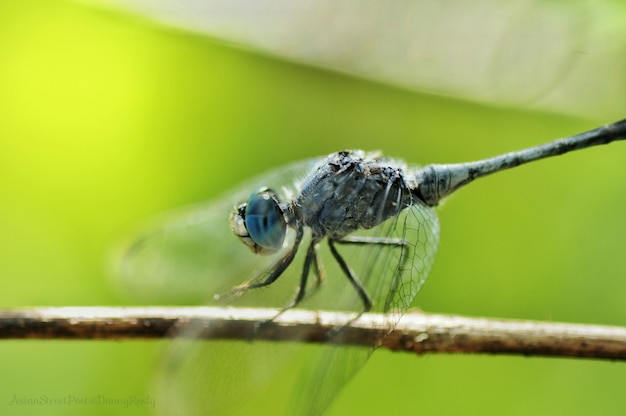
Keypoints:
pixel 190 255
pixel 225 377
pixel 187 255
pixel 241 377
pixel 392 276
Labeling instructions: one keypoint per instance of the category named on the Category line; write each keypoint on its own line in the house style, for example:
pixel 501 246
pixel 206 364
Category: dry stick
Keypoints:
pixel 417 332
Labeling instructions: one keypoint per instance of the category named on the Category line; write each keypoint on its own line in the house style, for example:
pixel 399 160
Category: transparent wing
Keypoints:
pixel 226 377
pixel 392 276
pixel 190 255
pixel 243 377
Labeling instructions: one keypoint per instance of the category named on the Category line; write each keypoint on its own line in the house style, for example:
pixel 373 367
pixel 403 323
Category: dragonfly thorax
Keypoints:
pixel 352 190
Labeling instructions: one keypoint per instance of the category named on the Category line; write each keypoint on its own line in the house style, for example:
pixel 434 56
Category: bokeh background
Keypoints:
pixel 108 118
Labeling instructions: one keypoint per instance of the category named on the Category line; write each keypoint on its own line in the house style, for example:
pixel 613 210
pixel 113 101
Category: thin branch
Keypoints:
pixel 417 332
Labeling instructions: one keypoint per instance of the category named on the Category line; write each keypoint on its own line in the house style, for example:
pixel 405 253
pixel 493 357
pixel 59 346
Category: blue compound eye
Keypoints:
pixel 265 221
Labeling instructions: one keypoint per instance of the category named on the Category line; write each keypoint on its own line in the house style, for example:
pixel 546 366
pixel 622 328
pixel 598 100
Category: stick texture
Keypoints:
pixel 417 332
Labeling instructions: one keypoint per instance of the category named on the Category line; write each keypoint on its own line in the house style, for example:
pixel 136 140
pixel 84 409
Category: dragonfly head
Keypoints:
pixel 260 222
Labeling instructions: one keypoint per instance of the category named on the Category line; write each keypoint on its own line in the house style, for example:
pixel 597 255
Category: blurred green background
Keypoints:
pixel 107 119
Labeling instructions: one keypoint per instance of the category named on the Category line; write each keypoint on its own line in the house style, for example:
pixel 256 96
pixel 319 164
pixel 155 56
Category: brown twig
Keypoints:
pixel 417 332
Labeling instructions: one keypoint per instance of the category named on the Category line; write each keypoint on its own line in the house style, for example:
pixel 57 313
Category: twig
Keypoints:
pixel 417 332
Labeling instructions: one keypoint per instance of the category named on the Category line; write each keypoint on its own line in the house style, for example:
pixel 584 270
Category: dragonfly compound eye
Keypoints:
pixel 260 222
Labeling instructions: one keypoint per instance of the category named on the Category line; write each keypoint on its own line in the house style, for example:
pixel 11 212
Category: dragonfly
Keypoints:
pixel 352 231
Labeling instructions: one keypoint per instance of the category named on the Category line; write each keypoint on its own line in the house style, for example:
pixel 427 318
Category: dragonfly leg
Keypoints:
pixel 311 258
pixel 400 243
pixel 277 271
pixel 367 303
pixel 280 267
pixel 318 267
